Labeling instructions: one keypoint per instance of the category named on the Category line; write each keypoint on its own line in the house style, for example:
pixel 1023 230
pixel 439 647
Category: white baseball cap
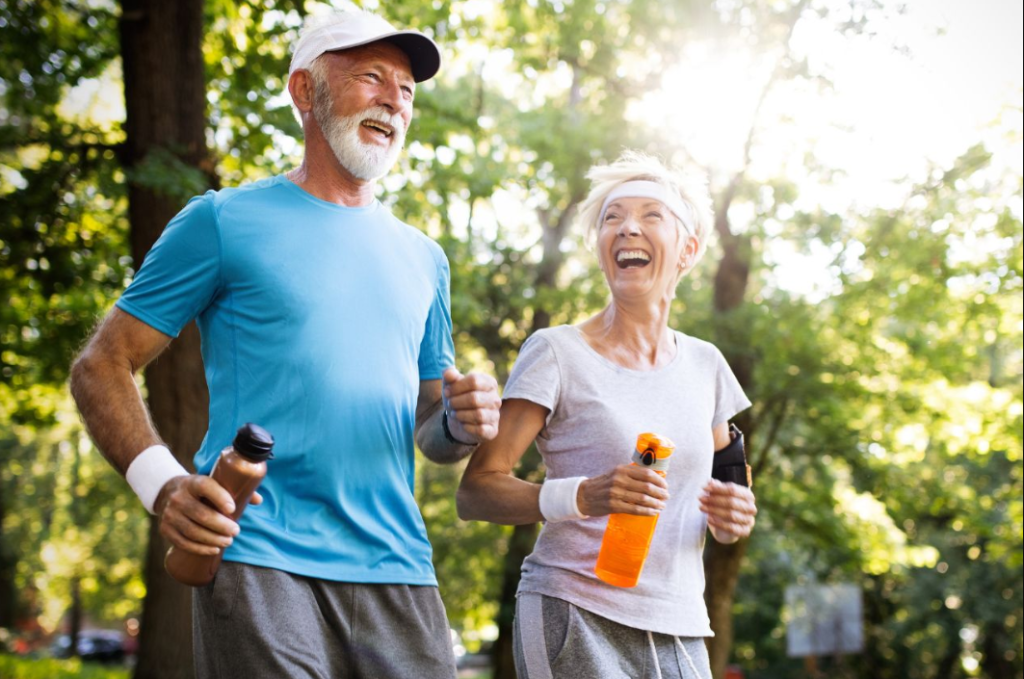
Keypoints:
pixel 342 30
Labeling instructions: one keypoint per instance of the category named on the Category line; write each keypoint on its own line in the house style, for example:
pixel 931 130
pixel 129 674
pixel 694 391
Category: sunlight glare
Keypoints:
pixel 706 104
pixel 96 101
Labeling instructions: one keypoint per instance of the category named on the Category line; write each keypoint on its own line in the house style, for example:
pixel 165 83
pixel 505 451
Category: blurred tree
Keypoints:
pixel 897 466
pixel 61 251
pixel 165 155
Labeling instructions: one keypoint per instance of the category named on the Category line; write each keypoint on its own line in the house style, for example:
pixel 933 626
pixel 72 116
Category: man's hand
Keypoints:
pixel 472 404
pixel 195 514
pixel 730 509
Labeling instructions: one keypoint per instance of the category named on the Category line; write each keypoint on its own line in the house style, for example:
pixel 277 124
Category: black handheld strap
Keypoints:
pixel 448 432
pixel 730 463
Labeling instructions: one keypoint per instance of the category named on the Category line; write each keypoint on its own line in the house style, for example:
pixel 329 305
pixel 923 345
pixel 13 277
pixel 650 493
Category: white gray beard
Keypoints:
pixel 365 161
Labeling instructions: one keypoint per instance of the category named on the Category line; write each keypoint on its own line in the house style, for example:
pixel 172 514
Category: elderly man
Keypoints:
pixel 325 320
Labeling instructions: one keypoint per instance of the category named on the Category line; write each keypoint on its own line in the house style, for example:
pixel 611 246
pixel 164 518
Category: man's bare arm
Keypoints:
pixel 473 412
pixel 103 385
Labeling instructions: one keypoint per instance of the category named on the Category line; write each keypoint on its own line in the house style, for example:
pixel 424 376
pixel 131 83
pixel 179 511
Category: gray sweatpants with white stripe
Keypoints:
pixel 554 639
pixel 262 623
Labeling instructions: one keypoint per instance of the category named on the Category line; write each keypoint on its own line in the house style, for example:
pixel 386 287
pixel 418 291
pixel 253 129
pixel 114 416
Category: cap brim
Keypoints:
pixel 424 55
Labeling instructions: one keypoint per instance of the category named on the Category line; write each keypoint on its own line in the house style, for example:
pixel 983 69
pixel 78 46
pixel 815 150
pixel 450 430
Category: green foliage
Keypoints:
pixel 897 462
pixel 12 667
pixel 62 247
pixel 73 519
pixel 165 173
pixel 467 555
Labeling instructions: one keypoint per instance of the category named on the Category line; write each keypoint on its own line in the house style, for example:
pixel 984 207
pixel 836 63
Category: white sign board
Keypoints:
pixel 824 620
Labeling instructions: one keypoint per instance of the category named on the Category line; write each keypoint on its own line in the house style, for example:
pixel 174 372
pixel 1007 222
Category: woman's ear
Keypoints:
pixel 689 253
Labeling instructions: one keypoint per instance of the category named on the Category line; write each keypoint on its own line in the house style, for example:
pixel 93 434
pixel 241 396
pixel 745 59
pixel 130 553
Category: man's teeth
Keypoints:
pixel 387 131
pixel 632 254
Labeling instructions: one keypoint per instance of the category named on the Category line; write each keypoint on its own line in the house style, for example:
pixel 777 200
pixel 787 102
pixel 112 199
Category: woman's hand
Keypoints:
pixel 627 489
pixel 730 509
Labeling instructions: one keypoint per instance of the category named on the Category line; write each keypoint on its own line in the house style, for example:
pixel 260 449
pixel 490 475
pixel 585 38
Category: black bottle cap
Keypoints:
pixel 254 442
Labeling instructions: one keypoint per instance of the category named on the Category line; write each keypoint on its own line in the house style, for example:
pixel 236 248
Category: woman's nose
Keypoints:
pixel 628 227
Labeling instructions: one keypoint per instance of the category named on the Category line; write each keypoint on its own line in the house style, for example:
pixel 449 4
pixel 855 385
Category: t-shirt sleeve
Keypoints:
pixel 437 349
pixel 181 273
pixel 729 396
pixel 535 376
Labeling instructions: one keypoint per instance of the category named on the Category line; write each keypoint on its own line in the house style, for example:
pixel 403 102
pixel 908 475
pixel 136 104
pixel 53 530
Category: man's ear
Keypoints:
pixel 301 88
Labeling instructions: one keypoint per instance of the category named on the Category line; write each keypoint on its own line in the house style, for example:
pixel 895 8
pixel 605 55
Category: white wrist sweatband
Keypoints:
pixel 558 499
pixel 149 471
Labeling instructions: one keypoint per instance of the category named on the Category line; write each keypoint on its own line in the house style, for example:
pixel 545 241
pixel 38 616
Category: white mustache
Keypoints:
pixel 381 115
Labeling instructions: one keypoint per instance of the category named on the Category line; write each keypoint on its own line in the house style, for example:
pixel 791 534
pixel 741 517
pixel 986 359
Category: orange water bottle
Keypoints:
pixel 627 539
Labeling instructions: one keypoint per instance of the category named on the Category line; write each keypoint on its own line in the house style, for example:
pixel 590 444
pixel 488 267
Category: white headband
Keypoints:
pixel 654 190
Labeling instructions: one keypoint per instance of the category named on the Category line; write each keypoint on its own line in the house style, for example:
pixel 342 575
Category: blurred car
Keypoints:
pixel 479 660
pixel 95 645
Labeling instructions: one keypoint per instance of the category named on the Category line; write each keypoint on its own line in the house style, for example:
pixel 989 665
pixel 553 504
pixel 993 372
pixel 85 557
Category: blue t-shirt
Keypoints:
pixel 318 323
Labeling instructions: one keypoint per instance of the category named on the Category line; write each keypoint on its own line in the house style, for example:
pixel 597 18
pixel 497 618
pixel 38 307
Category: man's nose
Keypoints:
pixel 390 96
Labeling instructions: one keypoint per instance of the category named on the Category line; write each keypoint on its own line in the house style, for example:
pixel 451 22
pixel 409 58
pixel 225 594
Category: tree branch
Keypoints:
pixel 759 460
pixel 721 218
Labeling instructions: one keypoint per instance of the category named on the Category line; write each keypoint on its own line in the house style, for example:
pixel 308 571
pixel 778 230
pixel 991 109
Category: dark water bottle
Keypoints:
pixel 239 469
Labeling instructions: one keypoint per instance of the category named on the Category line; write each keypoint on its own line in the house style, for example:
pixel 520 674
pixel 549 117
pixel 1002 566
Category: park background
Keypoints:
pixel 864 281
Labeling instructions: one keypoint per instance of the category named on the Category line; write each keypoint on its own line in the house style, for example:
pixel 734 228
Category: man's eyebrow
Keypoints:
pixel 381 66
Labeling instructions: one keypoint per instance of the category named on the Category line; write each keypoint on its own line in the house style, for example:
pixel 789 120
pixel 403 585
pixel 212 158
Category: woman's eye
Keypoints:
pixel 655 215
pixel 610 216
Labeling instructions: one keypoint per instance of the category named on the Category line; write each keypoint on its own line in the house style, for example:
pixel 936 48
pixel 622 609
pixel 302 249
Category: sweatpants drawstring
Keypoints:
pixel 686 655
pixel 654 652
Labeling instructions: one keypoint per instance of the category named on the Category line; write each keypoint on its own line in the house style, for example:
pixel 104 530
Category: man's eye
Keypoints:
pixel 373 76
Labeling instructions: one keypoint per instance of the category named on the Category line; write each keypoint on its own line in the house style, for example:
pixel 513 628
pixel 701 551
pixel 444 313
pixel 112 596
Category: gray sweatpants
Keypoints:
pixel 553 639
pixel 261 623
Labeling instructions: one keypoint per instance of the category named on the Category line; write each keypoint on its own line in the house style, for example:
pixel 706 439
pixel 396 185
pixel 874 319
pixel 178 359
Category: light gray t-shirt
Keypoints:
pixel 597 408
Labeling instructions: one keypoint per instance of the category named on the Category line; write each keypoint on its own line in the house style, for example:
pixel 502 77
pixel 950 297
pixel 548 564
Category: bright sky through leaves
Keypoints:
pixel 929 84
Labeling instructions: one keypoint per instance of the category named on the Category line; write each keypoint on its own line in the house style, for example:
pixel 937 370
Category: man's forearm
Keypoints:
pixel 435 446
pixel 112 409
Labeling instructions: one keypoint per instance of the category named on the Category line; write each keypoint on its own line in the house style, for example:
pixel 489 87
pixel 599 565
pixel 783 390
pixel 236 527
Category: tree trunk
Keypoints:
pixel 994 662
pixel 523 537
pixel 8 566
pixel 721 570
pixel 178 401
pixel 165 104
pixel 722 562
pixel 75 617
pixel 519 547
pixel 75 622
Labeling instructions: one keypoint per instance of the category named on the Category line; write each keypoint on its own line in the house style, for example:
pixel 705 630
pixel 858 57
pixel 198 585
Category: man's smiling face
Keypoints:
pixel 364 104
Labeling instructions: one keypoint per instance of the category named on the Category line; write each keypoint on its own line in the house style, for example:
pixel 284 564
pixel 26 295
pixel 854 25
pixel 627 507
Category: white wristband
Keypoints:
pixel 558 499
pixel 149 471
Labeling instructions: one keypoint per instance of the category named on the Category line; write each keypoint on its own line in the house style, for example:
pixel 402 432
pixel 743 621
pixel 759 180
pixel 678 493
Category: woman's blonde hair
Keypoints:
pixel 691 186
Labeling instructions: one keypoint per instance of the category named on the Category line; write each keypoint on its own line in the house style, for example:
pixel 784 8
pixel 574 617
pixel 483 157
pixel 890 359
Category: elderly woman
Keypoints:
pixel 583 393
